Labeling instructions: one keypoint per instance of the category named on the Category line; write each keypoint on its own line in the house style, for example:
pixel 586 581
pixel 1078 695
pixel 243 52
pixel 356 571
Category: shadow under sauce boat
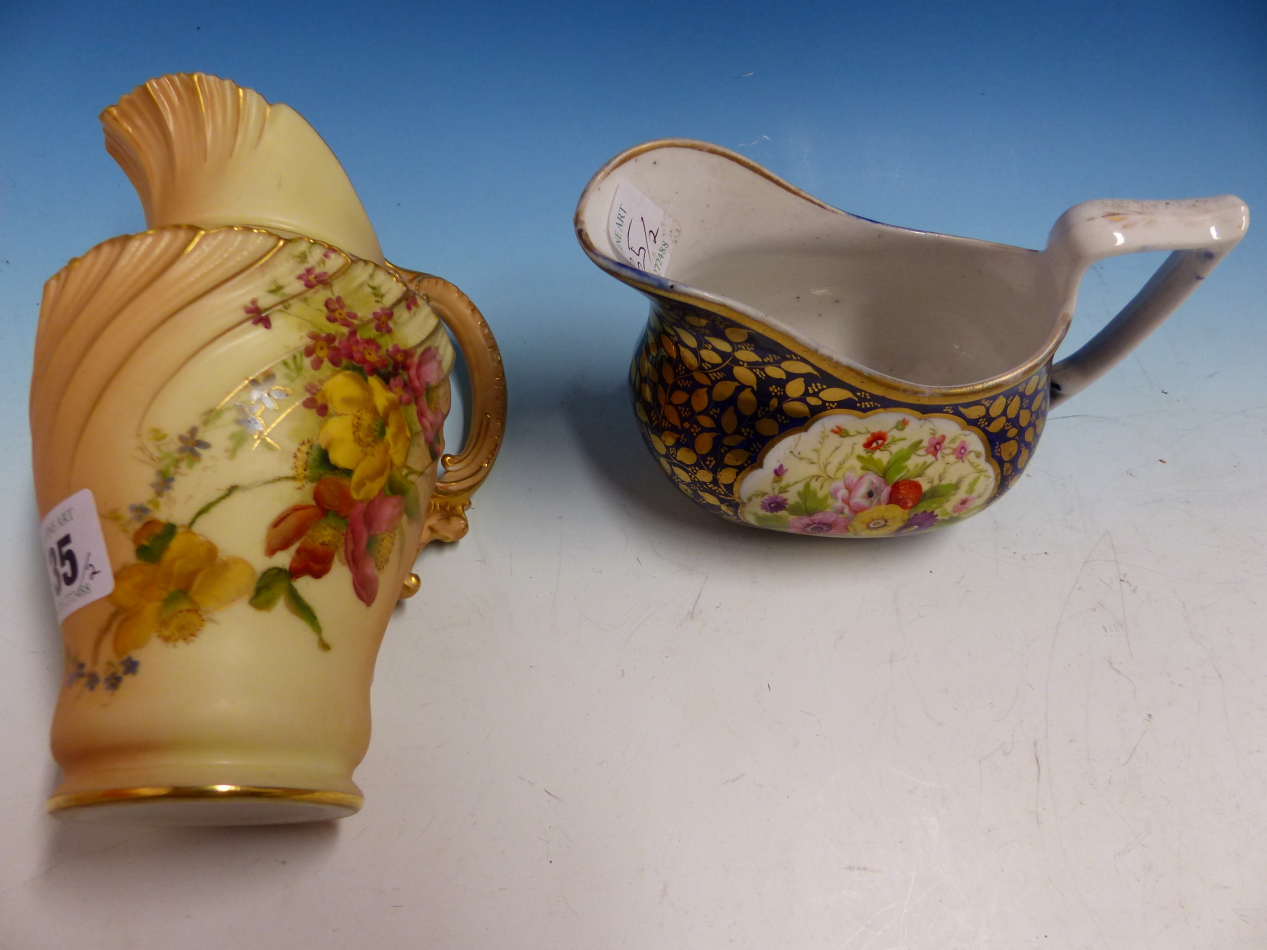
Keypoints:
pixel 237 427
pixel 810 371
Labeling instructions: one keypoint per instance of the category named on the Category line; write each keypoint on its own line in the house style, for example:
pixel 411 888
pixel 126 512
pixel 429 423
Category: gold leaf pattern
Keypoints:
pixel 835 394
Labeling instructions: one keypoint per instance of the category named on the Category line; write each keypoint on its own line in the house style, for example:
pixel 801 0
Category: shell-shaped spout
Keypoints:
pixel 204 151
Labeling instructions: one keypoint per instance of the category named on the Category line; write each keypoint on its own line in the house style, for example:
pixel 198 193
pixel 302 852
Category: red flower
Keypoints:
pixel 401 390
pixel 323 347
pixel 906 493
pixel 411 300
pixel 876 440
pixel 365 353
pixel 337 312
pixel 382 320
pixel 318 528
pixel 311 277
pixel 258 317
pixel 316 400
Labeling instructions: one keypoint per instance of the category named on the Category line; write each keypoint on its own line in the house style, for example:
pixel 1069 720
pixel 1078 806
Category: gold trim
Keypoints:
pixel 205 792
pixel 881 384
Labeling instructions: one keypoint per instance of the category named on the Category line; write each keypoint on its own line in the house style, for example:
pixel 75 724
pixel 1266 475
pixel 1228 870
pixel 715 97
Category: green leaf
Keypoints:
pixel 766 520
pixel 808 501
pixel 893 471
pixel 412 509
pixel 269 588
pixel 918 469
pixel 319 465
pixel 940 491
pixel 397 484
pixel 871 464
pixel 301 609
pixel 151 551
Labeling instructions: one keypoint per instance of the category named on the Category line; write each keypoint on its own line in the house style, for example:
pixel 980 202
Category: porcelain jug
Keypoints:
pixel 237 425
pixel 809 371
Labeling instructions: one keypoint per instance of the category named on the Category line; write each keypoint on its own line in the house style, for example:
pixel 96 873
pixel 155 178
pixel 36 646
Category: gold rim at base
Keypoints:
pixel 206 793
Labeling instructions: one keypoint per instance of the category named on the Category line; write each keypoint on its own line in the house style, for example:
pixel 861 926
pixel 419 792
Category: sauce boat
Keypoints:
pixel 237 427
pixel 810 371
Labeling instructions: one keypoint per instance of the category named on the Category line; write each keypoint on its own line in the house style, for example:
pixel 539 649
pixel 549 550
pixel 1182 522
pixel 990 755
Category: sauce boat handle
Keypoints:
pixel 1200 232
pixel 465 470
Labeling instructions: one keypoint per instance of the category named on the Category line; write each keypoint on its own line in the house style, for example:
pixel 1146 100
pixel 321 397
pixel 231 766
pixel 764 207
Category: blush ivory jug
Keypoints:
pixel 237 425
pixel 810 371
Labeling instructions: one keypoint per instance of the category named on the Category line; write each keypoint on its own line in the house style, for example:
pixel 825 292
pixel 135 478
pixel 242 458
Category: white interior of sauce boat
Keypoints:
pixel 926 308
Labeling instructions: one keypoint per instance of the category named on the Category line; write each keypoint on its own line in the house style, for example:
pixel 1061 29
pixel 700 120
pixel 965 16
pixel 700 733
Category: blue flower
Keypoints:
pixel 113 681
pixel 190 444
pixel 139 512
pixel 162 484
pixel 129 666
pixel 91 680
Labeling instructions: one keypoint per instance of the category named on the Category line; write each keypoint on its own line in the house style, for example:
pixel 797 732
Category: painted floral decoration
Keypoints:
pixel 365 395
pixel 884 474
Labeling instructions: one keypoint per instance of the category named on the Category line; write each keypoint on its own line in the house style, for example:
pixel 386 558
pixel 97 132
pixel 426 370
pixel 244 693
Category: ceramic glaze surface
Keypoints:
pixel 754 432
pixel 806 370
pixel 255 419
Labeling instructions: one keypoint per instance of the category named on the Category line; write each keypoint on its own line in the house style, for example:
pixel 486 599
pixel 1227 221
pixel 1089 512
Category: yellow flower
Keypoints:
pixel 173 597
pixel 878 521
pixel 368 435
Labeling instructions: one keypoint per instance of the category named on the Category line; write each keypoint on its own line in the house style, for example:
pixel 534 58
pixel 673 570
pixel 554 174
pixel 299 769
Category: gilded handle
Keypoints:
pixel 464 470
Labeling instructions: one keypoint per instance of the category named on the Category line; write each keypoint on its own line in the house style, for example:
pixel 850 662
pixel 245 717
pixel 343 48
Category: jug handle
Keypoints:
pixel 1200 232
pixel 465 470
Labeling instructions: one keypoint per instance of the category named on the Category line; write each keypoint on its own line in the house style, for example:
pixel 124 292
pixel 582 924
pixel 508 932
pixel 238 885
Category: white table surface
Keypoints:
pixel 612 720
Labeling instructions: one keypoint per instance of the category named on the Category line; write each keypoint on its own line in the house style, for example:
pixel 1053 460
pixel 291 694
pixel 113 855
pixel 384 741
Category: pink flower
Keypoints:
pixel 860 492
pixel 311 277
pixel 934 445
pixel 258 317
pixel 337 312
pixel 367 522
pixel 402 390
pixel 961 450
pixel 822 522
pixel 365 353
pixel 780 470
pixel 323 347
pixel 963 504
pixel 316 399
pixel 411 301
pixel 382 321
pixel 425 369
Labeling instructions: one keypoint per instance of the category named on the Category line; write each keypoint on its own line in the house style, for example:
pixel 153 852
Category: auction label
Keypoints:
pixel 640 231
pixel 75 552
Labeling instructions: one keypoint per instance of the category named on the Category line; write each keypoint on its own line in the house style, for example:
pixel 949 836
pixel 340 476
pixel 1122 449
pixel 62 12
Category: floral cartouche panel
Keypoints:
pixel 352 419
pixel 753 431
